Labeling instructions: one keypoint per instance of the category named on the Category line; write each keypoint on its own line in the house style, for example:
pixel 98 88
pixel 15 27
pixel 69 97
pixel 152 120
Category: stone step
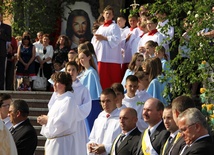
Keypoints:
pixel 41 140
pixel 29 94
pixel 39 150
pixel 38 111
pixel 33 120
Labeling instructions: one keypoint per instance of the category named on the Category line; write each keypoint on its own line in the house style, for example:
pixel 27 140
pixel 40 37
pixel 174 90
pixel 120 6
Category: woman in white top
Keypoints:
pixel 44 56
pixel 60 124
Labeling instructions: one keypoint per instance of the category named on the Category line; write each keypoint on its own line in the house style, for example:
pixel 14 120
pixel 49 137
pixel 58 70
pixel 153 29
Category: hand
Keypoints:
pixel 92 147
pixel 26 66
pixel 100 37
pixel 100 148
pixel 42 120
pixel 128 37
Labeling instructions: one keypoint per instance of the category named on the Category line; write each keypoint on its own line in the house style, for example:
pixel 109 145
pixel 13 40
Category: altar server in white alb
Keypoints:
pixel 107 47
pixel 106 127
pixel 83 100
pixel 60 124
pixel 153 34
pixel 128 36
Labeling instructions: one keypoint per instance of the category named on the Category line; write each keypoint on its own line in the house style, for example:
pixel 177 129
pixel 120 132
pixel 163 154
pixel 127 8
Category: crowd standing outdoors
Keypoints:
pixel 119 66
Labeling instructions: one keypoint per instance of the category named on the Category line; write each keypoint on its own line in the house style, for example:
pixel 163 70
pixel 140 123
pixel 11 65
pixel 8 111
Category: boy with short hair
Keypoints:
pixel 106 42
pixel 133 101
pixel 119 91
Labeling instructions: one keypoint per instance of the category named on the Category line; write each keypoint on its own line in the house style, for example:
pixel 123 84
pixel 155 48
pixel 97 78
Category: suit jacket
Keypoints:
pixel 177 147
pixel 5 35
pixel 204 146
pixel 129 145
pixel 25 138
pixel 158 139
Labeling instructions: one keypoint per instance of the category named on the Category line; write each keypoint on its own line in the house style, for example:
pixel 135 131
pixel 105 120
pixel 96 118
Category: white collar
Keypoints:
pixel 152 129
pixel 174 134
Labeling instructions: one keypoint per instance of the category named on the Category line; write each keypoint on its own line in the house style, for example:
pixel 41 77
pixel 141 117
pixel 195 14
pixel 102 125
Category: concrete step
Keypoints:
pixel 39 150
pixel 29 94
pixel 41 140
pixel 38 111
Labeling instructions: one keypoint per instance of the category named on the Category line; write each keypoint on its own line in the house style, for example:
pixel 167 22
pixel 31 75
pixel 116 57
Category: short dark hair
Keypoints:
pixel 109 7
pixel 159 106
pixel 22 106
pixel 109 91
pixel 4 97
pixel 132 78
pixel 118 87
pixel 181 103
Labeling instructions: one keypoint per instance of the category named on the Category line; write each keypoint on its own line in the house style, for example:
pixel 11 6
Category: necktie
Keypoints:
pixel 149 132
pixel 12 130
pixel 120 139
pixel 168 144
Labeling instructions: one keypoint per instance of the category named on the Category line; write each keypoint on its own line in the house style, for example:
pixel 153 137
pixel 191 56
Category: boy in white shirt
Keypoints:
pixel 133 101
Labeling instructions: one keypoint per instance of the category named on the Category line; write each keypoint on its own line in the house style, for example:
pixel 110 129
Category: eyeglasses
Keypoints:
pixel 185 128
pixel 6 105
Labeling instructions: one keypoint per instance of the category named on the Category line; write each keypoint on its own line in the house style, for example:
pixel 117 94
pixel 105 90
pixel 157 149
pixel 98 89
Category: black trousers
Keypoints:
pixel 2 72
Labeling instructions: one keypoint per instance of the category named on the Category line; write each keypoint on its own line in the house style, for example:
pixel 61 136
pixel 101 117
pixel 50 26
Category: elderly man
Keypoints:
pixel 23 133
pixel 126 143
pixel 193 128
pixel 155 135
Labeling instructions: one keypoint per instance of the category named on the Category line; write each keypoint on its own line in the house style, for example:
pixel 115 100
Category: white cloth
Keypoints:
pixel 149 147
pixel 7 122
pixel 7 144
pixel 49 53
pixel 132 103
pixel 123 29
pixel 142 94
pixel 169 32
pixel 108 51
pixel 83 100
pixel 157 37
pixel 105 130
pixel 61 126
pixel 128 45
pixel 135 45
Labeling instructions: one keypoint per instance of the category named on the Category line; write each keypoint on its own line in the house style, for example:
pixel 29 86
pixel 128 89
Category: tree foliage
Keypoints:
pixel 197 16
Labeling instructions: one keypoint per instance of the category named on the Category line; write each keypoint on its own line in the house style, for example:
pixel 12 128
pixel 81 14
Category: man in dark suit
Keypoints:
pixel 126 143
pixel 180 104
pixel 193 128
pixel 154 137
pixel 23 133
pixel 5 35
pixel 172 128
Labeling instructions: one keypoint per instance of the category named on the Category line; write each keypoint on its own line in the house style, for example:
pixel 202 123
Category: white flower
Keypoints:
pixel 189 12
pixel 196 15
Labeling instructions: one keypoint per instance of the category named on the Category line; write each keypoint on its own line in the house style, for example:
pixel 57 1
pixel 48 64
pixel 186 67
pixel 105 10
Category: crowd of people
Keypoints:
pixel 121 68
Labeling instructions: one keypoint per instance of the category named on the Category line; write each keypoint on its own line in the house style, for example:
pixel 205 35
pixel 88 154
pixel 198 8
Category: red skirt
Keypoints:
pixel 109 73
